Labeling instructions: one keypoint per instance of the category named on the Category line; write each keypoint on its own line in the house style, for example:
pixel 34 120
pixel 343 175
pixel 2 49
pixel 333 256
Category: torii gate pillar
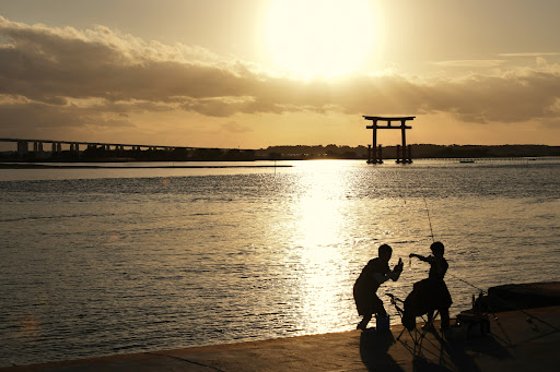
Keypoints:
pixel 374 153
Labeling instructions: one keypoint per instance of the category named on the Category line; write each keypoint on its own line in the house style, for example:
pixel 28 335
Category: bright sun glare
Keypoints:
pixel 318 38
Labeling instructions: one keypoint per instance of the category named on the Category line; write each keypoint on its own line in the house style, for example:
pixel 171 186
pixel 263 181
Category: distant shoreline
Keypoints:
pixel 20 165
pixel 122 164
pixel 273 153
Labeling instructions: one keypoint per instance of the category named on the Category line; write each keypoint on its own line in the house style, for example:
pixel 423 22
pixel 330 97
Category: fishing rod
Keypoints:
pixel 433 240
pixel 511 304
pixel 429 218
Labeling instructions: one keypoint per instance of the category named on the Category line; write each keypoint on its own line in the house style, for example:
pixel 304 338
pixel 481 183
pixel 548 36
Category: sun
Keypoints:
pixel 318 38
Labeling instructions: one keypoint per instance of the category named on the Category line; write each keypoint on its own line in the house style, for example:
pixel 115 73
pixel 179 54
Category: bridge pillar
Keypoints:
pixel 74 147
pixel 22 148
pixel 37 146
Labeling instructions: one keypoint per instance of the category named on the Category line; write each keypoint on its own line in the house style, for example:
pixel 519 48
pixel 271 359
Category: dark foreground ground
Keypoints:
pixel 526 340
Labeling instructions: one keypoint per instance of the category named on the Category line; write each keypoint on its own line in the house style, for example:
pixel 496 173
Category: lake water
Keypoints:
pixel 105 261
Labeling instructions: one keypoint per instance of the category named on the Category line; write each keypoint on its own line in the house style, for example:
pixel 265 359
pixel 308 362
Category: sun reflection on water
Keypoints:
pixel 319 237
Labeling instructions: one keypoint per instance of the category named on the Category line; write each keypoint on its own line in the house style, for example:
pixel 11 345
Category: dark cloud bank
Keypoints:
pixel 56 77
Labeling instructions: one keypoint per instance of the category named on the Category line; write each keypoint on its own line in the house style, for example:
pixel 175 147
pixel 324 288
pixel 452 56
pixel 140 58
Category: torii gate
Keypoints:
pixel 375 152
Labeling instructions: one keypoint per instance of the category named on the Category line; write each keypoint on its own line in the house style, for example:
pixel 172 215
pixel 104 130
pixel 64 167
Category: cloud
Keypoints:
pixel 471 63
pixel 219 106
pixel 36 114
pixel 510 97
pixel 530 54
pixel 64 76
pixel 40 62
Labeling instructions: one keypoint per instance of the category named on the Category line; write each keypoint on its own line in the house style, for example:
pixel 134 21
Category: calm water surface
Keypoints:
pixel 106 261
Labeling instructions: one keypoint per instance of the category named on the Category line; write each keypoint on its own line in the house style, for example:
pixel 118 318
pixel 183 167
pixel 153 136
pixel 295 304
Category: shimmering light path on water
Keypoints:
pixel 96 263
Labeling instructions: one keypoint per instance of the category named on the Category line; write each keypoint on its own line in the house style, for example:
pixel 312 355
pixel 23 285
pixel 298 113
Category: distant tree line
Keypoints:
pixel 418 151
pixel 313 152
pixel 298 152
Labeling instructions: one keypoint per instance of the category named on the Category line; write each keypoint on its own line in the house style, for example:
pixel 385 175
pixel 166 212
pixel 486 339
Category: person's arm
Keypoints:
pixel 382 277
pixel 420 257
pixel 394 275
pixel 397 270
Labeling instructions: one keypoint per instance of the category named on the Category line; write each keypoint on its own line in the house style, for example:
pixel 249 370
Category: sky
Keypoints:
pixel 257 73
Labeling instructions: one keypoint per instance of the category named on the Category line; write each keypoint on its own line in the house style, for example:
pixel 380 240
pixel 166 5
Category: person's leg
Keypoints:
pixel 378 307
pixel 375 307
pixel 381 316
pixel 430 323
pixel 430 316
pixel 365 320
pixel 444 315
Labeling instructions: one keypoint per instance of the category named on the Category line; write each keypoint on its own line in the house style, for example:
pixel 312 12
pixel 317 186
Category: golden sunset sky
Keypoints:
pixel 254 73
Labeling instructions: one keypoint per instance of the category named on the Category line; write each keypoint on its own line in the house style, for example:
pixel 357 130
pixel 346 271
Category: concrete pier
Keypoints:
pixel 519 341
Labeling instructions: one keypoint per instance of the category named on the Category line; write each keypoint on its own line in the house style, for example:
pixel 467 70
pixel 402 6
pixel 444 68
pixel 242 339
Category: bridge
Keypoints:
pixel 45 148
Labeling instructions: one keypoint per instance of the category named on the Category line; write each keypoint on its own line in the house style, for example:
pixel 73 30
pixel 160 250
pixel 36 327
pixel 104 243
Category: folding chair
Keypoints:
pixel 417 336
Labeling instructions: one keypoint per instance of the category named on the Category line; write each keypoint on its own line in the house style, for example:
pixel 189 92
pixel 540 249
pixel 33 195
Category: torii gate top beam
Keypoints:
pixel 401 119
pixel 389 118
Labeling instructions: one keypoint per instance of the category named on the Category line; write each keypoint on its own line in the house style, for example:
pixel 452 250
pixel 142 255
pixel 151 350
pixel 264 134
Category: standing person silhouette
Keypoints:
pixel 375 273
pixel 433 291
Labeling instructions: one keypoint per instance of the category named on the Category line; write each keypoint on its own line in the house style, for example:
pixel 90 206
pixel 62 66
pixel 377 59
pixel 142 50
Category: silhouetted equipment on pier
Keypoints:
pixel 375 151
